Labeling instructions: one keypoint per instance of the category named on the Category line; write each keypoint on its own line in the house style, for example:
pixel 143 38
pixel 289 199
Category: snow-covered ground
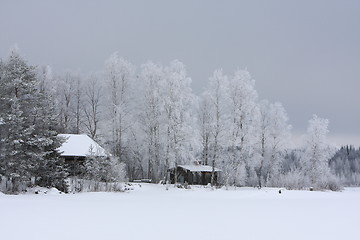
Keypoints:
pixel 151 212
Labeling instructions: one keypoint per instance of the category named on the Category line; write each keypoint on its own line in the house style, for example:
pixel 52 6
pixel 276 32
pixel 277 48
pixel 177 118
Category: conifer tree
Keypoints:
pixel 28 133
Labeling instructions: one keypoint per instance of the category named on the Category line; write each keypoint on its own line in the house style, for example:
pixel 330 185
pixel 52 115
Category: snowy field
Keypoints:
pixel 151 212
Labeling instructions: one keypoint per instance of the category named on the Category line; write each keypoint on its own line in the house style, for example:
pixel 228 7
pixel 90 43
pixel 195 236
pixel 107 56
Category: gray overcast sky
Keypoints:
pixel 305 54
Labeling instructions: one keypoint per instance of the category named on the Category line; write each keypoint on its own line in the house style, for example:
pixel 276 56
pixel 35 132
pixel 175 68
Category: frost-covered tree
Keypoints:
pixel 65 95
pixel 28 133
pixel 92 107
pixel 317 153
pixel 46 79
pixel 119 74
pixel 120 80
pixel 18 88
pixel 243 125
pixel 152 119
pixel 217 92
pixel 273 138
pixel 78 108
pixel 181 136
pixel 69 102
pixel 279 137
pixel 205 125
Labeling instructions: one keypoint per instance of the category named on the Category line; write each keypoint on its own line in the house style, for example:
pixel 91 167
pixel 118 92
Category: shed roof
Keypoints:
pixel 80 145
pixel 199 168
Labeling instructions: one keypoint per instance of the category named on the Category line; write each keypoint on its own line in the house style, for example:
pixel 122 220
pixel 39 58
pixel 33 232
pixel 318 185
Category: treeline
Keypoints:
pixel 149 119
pixel 346 165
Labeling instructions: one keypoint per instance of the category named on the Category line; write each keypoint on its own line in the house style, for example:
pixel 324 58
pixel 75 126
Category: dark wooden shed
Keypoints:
pixel 193 174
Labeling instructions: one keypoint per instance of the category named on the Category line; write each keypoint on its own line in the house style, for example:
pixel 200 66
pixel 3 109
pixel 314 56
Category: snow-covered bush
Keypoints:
pixel 104 169
pixel 85 185
pixel 294 180
pixel 328 181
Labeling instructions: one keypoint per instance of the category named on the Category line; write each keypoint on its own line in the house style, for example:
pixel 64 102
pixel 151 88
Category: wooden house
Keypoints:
pixel 76 148
pixel 193 174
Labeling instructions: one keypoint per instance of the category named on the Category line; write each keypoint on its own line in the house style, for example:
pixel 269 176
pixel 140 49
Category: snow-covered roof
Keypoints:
pixel 199 168
pixel 80 145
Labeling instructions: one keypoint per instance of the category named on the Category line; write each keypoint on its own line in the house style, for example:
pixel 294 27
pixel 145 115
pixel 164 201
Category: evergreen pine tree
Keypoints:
pixel 28 130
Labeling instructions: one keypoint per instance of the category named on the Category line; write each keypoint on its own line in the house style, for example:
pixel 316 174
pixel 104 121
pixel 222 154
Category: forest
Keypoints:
pixel 150 120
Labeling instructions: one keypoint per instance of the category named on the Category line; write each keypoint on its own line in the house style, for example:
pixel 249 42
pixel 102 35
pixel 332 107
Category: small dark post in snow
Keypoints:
pixel 280 191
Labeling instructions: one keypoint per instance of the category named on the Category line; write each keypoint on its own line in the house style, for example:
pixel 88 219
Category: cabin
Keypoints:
pixel 195 174
pixel 76 148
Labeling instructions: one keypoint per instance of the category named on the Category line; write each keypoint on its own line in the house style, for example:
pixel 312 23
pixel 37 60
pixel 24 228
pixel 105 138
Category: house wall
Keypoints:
pixel 74 164
pixel 194 178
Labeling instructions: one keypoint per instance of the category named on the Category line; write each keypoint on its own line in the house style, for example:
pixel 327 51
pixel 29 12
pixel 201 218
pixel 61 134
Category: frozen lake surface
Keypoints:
pixel 151 212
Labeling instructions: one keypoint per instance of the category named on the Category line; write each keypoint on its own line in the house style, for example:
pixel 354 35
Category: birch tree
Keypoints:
pixel 274 136
pixel 205 124
pixel 77 108
pixel 218 92
pixel 178 106
pixel 65 101
pixel 92 107
pixel 152 76
pixel 119 74
pixel 243 124
pixel 317 153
